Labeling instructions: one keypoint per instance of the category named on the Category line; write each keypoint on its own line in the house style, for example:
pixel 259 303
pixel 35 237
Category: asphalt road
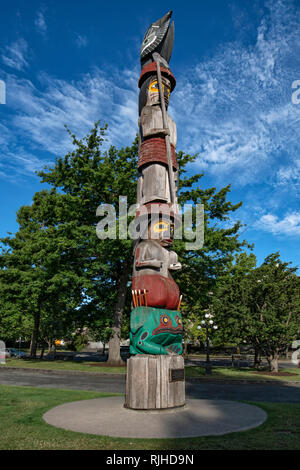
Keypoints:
pixel 116 384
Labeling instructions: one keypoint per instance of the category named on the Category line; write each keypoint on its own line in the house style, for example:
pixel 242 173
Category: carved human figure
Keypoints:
pixel 153 263
pixel 153 183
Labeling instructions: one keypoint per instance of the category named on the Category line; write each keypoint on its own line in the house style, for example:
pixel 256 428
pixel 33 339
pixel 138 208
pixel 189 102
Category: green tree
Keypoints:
pixel 231 298
pixel 100 330
pixel 74 276
pixel 191 331
pixel 261 306
pixel 35 276
pixel 202 268
pixel 89 176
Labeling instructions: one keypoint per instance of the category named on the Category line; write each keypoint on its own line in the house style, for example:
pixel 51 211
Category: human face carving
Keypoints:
pixel 153 92
pixel 162 231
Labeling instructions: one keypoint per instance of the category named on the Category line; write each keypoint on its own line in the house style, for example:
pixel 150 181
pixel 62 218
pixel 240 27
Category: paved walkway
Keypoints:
pixel 277 393
pixel 107 416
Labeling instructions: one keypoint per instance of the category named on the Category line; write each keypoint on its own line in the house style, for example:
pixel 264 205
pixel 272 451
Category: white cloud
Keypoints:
pixel 288 177
pixel 289 225
pixel 235 108
pixel 14 56
pixel 40 23
pixel 5 136
pixel 16 162
pixel 40 114
pixel 81 41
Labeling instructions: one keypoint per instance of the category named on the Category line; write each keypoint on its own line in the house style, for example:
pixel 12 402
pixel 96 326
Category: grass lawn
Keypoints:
pixel 22 427
pixel 190 371
pixel 244 373
pixel 62 365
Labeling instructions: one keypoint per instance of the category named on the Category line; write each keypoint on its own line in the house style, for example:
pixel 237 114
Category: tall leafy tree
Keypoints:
pixel 36 281
pixel 230 301
pixel 70 275
pixel 89 176
pixel 261 306
pixel 202 268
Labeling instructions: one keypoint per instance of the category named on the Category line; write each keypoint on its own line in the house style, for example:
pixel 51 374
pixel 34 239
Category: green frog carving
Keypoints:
pixel 155 331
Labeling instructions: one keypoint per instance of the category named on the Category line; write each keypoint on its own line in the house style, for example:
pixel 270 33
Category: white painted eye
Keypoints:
pixel 150 39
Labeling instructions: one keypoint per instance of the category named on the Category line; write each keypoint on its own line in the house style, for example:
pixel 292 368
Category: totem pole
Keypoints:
pixel 155 369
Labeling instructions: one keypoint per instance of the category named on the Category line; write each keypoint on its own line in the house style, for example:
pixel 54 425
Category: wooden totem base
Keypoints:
pixel 155 382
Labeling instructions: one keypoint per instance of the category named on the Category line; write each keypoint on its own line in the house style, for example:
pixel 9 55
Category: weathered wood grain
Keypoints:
pixel 148 385
pixel 151 123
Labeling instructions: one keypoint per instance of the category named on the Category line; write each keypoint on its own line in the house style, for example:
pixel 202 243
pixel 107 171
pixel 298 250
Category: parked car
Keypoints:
pixel 16 353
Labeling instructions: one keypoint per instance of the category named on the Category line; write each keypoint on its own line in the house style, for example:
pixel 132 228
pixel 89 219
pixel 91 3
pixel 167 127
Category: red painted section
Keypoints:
pixel 154 150
pixel 150 69
pixel 161 291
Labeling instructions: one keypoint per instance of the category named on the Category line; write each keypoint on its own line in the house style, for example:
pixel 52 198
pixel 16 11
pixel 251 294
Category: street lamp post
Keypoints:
pixel 207 363
pixel 209 325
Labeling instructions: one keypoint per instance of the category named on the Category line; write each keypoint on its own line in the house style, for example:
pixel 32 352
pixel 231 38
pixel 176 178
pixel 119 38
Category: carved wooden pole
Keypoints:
pixel 155 372
pixel 157 58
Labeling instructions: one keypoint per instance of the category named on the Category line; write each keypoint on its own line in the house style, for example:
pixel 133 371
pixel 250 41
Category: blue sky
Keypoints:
pixel 74 62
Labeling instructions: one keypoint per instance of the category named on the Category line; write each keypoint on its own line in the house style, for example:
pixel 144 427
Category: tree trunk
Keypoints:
pixel 185 349
pixel 257 359
pixel 42 352
pixel 287 353
pixel 54 351
pixel 114 356
pixel 274 362
pixel 35 336
pixel 103 349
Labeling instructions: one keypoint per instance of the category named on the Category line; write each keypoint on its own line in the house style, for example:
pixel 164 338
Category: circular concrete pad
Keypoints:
pixel 108 417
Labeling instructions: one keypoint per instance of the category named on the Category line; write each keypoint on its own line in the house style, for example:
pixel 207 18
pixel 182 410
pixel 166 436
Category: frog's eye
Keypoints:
pixel 178 321
pixel 165 319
